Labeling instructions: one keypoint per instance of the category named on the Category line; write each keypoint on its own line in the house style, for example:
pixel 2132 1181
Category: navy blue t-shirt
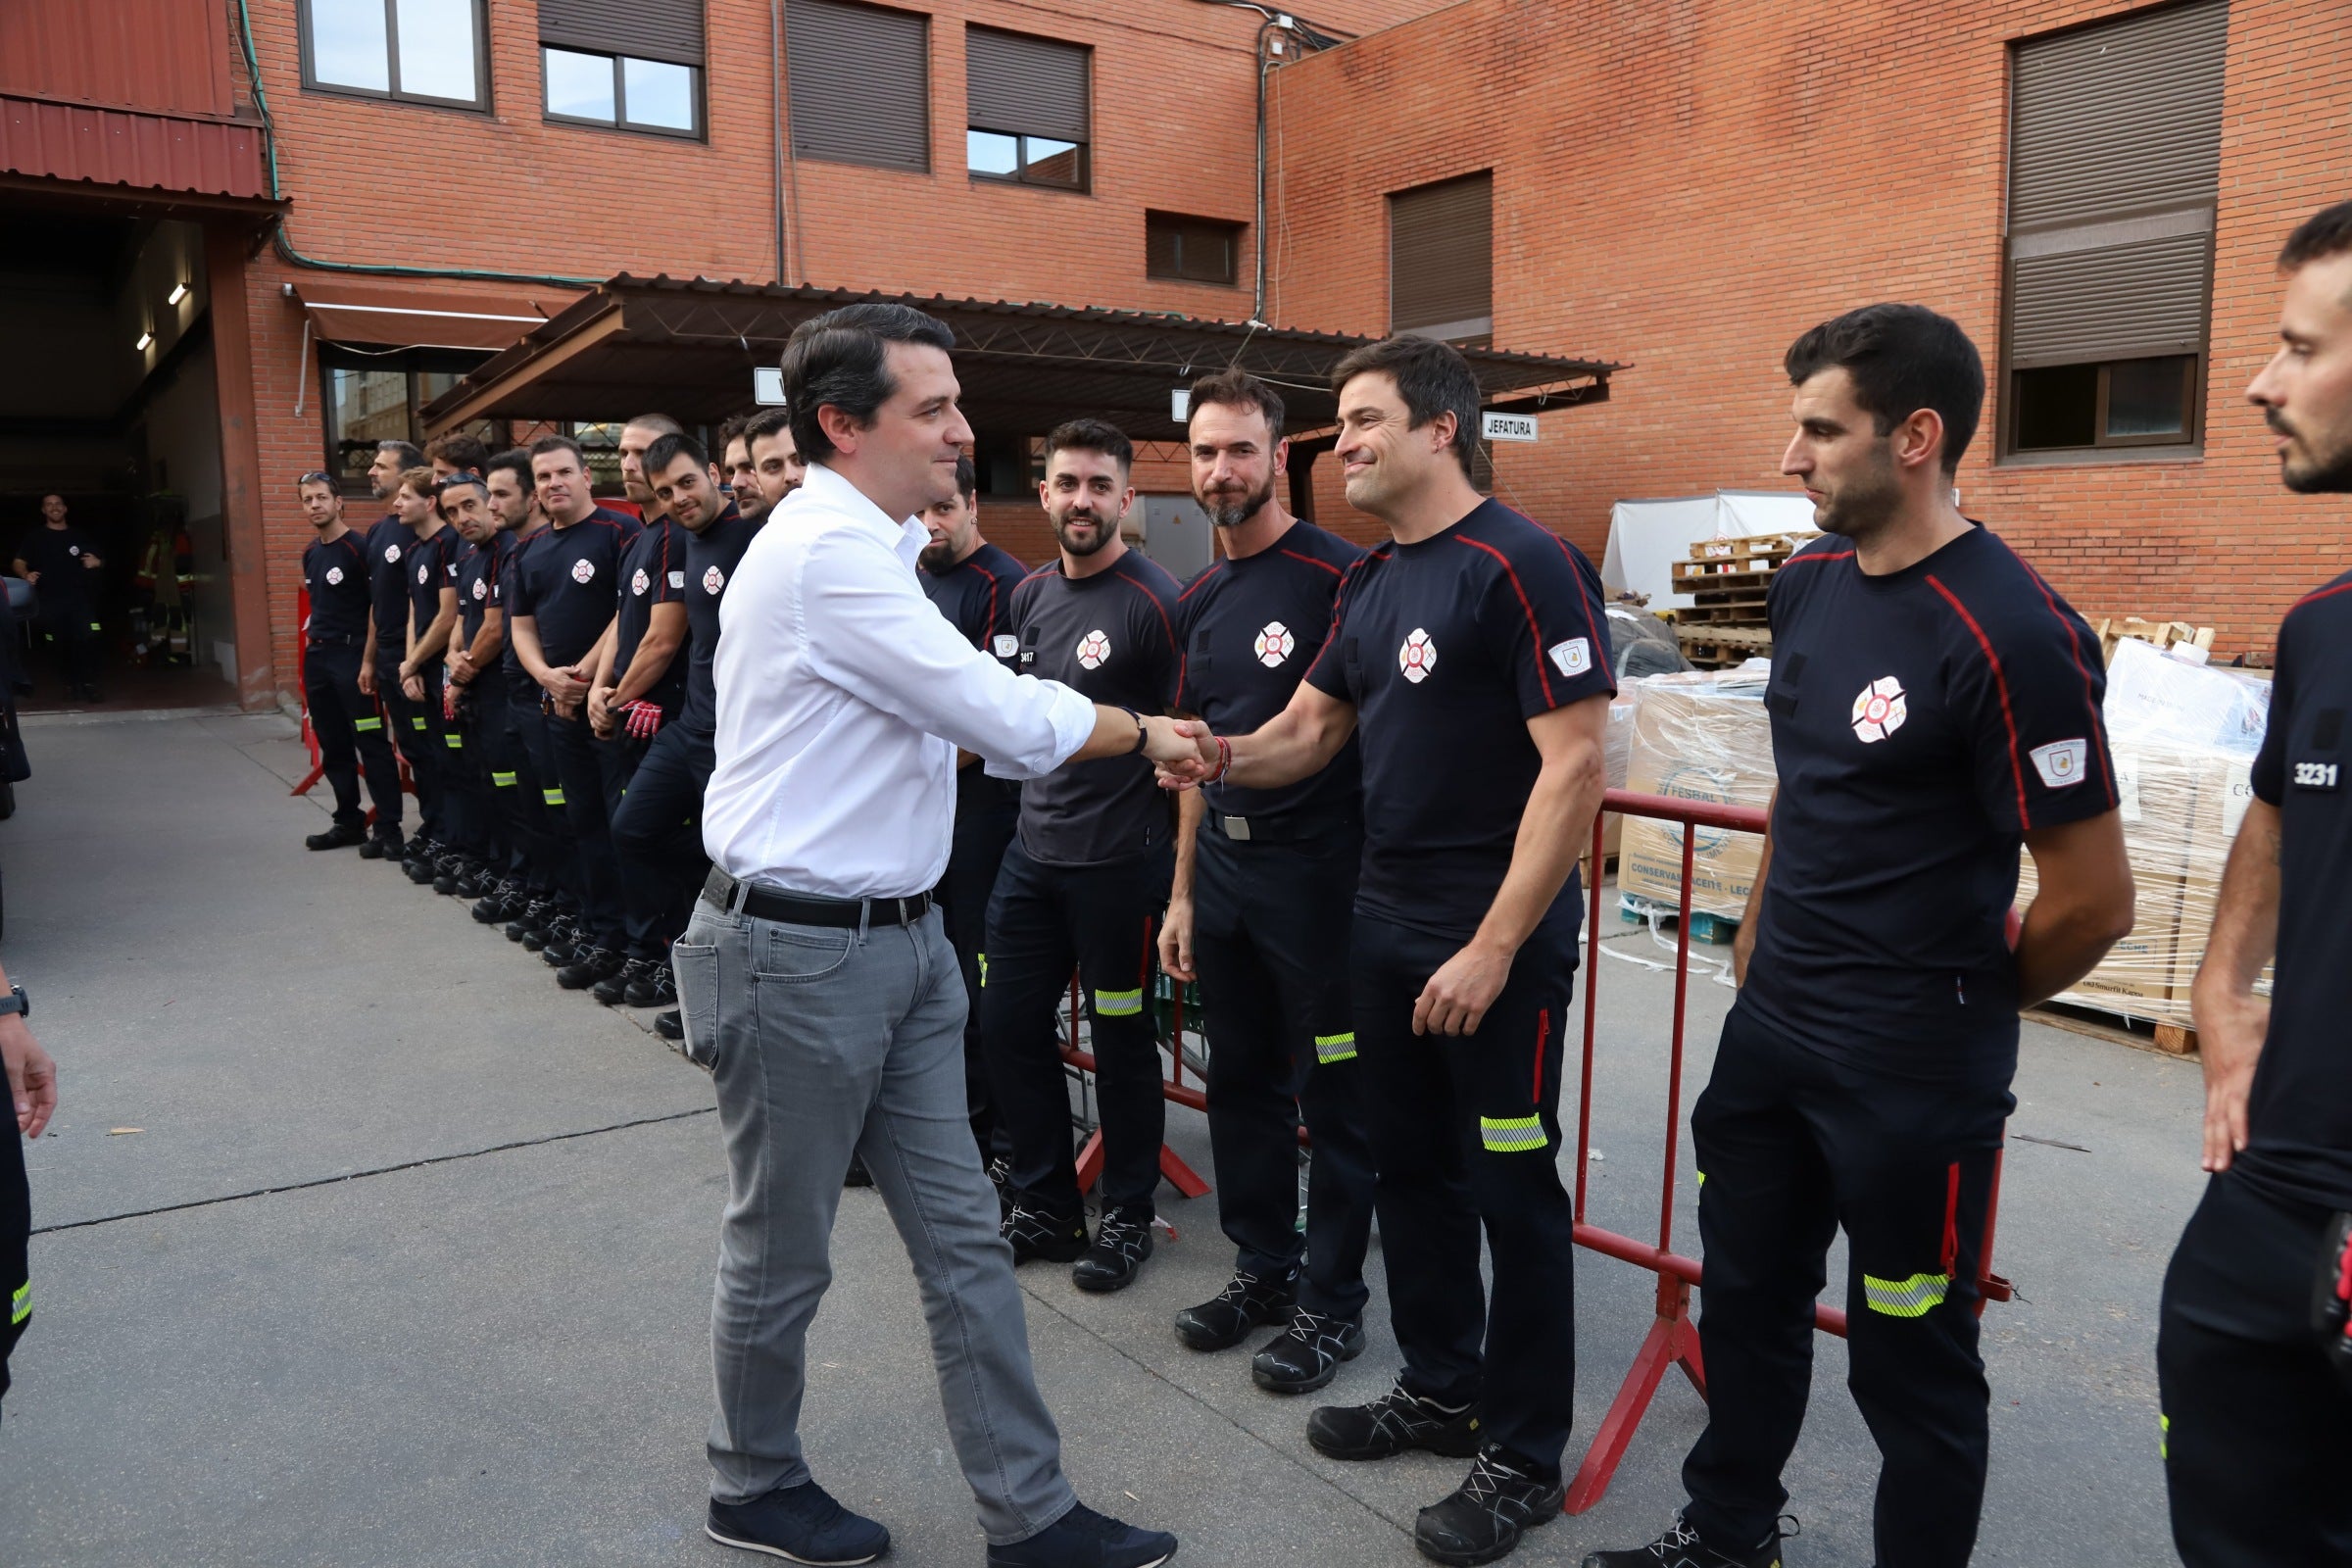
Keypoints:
pixel 476 576
pixel 976 595
pixel 1250 627
pixel 433 566
pixel 1923 720
pixel 1447 648
pixel 652 572
pixel 711 557
pixel 1111 637
pixel 67 586
pixel 336 575
pixel 2300 1119
pixel 388 545
pixel 512 546
pixel 565 582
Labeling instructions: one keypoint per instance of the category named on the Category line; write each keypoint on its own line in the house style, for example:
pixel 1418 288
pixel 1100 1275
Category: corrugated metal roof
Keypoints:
pixel 122 147
pixel 169 57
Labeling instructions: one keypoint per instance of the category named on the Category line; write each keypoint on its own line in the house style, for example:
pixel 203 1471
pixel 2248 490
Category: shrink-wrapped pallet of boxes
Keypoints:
pixel 2184 738
pixel 1701 736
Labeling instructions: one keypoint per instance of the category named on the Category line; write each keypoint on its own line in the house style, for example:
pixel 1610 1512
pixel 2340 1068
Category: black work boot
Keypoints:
pixel 498 905
pixel 1500 1500
pixel 564 941
pixel 1681 1547
pixel 1036 1234
pixel 657 987
pixel 670 1025
pixel 1245 1302
pixel 338 835
pixel 1391 1424
pixel 534 915
pixel 384 847
pixel 1307 1354
pixel 589 964
pixel 616 985
pixel 1122 1240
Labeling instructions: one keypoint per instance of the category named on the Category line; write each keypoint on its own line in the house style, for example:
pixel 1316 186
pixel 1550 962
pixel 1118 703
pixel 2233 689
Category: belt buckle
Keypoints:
pixel 1237 828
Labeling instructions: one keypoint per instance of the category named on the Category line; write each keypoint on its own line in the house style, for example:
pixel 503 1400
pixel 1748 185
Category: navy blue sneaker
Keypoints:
pixel 799 1524
pixel 1085 1539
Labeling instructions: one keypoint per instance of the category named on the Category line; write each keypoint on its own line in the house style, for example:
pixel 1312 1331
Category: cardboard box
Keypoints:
pixel 1696 737
pixel 2221 810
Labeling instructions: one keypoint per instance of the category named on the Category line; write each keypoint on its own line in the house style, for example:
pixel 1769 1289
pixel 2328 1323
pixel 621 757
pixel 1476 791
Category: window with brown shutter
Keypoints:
pixel 860 82
pixel 1442 260
pixel 1190 250
pixel 2115 157
pixel 634 63
pixel 1028 108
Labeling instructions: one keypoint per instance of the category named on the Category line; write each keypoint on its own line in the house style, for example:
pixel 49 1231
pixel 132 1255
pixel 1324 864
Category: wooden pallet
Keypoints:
pixel 2113 630
pixel 2171 1039
pixel 1776 546
pixel 1715 930
pixel 1714 647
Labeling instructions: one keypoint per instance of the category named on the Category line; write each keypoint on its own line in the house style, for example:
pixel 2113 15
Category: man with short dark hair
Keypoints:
pixel 2252 1357
pixel 1264 889
pixel 560 609
pixel 736 469
pixel 345 722
pixel 842 696
pixel 389 543
pixel 432 612
pixel 777 466
pixel 457 453
pixel 1085 880
pixel 1935 705
pixel 469 566
pixel 972 582
pixel 636 436
pixel 538 868
pixel 62 564
pixel 1470 649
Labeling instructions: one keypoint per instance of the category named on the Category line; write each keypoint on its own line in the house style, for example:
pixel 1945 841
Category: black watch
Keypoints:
pixel 15 1002
pixel 1143 731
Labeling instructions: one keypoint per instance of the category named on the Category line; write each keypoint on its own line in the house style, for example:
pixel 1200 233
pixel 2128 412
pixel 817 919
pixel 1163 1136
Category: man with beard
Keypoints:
pixel 736 469
pixel 1933 705
pixel 972 582
pixel 510 700
pixel 389 543
pixel 777 466
pixel 559 611
pixel 432 614
pixel 345 722
pixel 473 647
pixel 1265 884
pixel 2257 1408
pixel 1085 879
pixel 1470 649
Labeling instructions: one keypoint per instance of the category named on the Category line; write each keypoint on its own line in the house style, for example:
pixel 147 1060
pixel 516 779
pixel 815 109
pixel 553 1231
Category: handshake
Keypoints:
pixel 1184 752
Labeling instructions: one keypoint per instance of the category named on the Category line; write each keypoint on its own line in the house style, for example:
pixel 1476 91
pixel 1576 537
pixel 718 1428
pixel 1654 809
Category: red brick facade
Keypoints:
pixel 1687 187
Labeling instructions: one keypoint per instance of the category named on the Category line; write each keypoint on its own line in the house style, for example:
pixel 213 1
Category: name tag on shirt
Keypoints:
pixel 2314 775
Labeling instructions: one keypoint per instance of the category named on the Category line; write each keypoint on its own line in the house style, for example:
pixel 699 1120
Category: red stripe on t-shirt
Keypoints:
pixel 2073 647
pixel 2000 682
pixel 989 624
pixel 1165 624
pixel 1533 631
pixel 1600 649
pixel 1824 554
pixel 1311 561
pixel 1338 604
pixel 2318 594
pixel 1214 568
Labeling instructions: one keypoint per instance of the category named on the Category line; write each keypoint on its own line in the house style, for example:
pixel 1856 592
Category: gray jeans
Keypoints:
pixel 825 1041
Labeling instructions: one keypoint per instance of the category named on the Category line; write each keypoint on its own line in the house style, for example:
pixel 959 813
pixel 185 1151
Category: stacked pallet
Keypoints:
pixel 2167 635
pixel 1727 580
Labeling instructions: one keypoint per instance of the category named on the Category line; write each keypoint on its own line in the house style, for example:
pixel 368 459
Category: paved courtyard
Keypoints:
pixel 408 1260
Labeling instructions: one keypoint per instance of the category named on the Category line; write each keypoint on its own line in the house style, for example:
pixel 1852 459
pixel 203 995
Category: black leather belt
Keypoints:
pixel 351 639
pixel 1276 829
pixel 801 908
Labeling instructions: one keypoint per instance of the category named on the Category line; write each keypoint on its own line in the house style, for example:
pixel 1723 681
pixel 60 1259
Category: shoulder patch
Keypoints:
pixel 1573 657
pixel 2060 763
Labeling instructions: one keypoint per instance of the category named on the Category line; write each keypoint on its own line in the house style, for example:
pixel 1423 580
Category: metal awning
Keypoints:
pixel 690 347
pixel 400 316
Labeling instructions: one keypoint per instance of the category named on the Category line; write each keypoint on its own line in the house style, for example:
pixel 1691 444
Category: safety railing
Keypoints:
pixel 1672 1340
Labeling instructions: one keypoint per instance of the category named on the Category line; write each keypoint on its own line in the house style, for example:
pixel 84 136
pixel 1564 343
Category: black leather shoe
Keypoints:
pixel 589 964
pixel 422 867
pixel 1681 1547
pixel 1247 1302
pixel 857 1175
pixel 534 915
pixel 1307 1354
pixel 1391 1424
pixel 1035 1234
pixel 563 942
pixel 383 846
pixel 453 871
pixel 670 1025
pixel 657 987
pixel 339 836
pixel 611 989
pixel 497 904
pixel 1495 1503
pixel 799 1524
pixel 1122 1242
pixel 477 880
pixel 1085 1539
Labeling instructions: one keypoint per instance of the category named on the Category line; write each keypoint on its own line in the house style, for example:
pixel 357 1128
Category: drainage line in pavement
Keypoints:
pixel 381 1170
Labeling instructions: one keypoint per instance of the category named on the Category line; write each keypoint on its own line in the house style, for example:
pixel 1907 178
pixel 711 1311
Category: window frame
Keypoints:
pixel 2187 442
pixel 1180 223
pixel 621 99
pixel 411 363
pixel 480 104
pixel 1019 176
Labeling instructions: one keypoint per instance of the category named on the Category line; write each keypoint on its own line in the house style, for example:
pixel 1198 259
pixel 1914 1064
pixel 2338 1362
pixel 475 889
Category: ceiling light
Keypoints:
pixel 179 291
pixel 145 338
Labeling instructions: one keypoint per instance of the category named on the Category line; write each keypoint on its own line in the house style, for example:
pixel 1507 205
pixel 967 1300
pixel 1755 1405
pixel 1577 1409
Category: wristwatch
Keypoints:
pixel 15 1002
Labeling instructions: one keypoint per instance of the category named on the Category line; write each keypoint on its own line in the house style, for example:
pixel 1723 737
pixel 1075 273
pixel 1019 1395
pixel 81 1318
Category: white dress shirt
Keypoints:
pixel 843 694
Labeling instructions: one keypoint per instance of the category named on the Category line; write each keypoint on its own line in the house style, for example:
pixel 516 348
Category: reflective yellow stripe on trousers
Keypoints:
pixel 1911 1297
pixel 1119 1004
pixel 1511 1135
pixel 1334 1048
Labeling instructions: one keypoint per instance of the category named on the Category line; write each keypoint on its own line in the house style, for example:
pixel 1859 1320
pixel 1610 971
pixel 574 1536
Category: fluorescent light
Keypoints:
pixel 179 291
pixel 145 338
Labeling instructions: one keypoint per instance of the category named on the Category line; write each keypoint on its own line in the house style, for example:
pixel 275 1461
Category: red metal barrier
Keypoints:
pixel 1673 1338
pixel 1175 1090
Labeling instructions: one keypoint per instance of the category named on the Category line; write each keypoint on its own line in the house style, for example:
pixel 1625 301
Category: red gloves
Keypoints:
pixel 641 719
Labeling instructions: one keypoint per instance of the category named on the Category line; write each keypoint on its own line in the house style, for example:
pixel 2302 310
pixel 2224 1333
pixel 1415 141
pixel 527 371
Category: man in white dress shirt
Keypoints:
pixel 816 982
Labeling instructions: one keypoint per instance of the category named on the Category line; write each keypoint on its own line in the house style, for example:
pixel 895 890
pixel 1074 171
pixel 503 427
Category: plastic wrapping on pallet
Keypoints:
pixel 1701 736
pixel 2184 738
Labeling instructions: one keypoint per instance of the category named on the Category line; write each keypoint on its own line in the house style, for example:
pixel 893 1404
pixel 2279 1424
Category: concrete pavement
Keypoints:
pixel 410 1262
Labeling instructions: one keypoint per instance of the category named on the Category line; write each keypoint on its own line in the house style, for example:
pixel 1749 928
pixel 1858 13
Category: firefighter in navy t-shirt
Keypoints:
pixel 62 564
pixel 972 582
pixel 2256 1384
pixel 510 700
pixel 432 597
pixel 1933 705
pixel 1085 880
pixel 1265 882
pixel 473 645
pixel 346 722
pixel 388 544
pixel 1470 655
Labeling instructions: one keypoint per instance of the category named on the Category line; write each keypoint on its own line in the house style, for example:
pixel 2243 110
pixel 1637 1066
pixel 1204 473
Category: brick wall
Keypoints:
pixel 1686 187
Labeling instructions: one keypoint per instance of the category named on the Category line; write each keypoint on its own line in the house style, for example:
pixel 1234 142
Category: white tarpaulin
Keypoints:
pixel 1647 537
